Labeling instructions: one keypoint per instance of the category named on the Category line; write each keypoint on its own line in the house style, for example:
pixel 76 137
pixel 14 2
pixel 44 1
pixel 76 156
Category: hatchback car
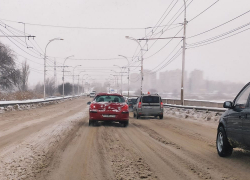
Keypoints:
pixel 109 108
pixel 234 125
pixel 148 105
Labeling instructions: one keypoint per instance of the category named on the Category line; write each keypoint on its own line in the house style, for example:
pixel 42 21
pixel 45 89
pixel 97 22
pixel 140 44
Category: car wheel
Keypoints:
pixel 90 122
pixel 134 114
pixel 224 149
pixel 161 116
pixel 125 124
pixel 137 116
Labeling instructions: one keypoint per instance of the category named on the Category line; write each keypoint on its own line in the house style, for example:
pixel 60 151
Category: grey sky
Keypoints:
pixel 224 60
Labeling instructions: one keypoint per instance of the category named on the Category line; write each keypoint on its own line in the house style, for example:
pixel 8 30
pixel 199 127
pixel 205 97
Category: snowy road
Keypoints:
pixel 55 142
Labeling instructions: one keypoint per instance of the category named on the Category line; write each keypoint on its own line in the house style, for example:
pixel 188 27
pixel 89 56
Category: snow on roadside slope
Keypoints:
pixel 193 114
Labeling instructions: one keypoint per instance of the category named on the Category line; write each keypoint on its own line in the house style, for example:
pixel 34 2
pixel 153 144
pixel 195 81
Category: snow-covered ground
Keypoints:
pixel 193 114
pixel 30 104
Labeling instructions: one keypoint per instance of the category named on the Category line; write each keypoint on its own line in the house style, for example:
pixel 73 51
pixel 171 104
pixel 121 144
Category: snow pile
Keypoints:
pixel 20 107
pixel 193 114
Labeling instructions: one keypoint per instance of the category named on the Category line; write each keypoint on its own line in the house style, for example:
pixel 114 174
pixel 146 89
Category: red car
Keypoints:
pixel 108 107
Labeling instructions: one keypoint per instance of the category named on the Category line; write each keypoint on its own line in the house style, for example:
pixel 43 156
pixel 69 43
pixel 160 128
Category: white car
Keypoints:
pixel 92 94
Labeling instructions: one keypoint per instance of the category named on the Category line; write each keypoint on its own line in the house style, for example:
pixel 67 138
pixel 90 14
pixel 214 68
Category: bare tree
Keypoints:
pixel 25 76
pixel 8 73
pixel 50 86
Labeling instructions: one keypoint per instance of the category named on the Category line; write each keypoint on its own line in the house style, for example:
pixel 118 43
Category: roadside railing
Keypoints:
pixel 201 108
pixel 193 102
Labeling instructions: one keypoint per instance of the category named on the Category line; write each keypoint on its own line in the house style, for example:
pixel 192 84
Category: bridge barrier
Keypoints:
pixel 192 102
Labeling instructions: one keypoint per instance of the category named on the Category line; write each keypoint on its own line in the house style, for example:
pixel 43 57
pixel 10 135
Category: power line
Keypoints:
pixel 204 11
pixel 219 25
pixel 219 39
pixel 218 36
pixel 77 27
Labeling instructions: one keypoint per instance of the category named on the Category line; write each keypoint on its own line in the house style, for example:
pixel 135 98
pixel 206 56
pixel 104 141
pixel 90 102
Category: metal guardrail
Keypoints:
pixel 197 108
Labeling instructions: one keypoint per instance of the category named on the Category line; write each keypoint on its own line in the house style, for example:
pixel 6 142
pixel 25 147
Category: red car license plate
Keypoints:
pixel 108 116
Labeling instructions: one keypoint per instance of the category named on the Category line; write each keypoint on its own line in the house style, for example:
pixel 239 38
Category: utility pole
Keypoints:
pixel 128 71
pixel 55 76
pixel 136 40
pixel 183 56
pixel 183 50
pixel 64 71
pixel 74 80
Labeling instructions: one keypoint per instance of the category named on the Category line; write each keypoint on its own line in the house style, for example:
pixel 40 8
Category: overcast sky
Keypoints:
pixel 227 59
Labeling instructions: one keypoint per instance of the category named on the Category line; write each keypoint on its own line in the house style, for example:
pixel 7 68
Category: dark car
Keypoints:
pixel 234 125
pixel 109 108
pixel 148 105
pixel 131 102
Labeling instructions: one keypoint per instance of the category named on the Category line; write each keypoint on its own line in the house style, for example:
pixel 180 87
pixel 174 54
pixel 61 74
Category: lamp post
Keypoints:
pixel 44 80
pixel 63 71
pixel 116 81
pixel 121 76
pixel 183 55
pixel 82 82
pixel 78 80
pixel 74 80
pixel 131 38
pixel 128 71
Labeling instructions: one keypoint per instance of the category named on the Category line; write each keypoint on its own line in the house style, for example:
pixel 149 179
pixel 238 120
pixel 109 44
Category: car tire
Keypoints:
pixel 137 116
pixel 161 116
pixel 125 124
pixel 134 114
pixel 90 122
pixel 224 149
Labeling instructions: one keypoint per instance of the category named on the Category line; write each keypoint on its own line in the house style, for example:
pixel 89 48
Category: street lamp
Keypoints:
pixel 82 81
pixel 121 76
pixel 78 80
pixel 44 86
pixel 128 71
pixel 116 81
pixel 131 38
pixel 63 71
pixel 74 80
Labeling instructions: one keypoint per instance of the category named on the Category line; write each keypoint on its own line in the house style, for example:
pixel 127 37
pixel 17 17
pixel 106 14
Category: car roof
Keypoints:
pixel 150 95
pixel 108 94
pixel 133 97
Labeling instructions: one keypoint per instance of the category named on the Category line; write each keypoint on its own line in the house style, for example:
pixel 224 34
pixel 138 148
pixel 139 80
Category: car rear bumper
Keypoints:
pixel 99 116
pixel 145 113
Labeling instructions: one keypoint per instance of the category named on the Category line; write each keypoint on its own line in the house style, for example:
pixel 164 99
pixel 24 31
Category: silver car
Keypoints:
pixel 148 105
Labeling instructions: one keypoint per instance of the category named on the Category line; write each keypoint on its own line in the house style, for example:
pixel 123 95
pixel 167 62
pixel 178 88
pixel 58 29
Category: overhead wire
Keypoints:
pixel 218 36
pixel 219 25
pixel 203 11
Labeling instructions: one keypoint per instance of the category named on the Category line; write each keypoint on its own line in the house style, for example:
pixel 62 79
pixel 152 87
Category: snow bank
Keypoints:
pixel 199 115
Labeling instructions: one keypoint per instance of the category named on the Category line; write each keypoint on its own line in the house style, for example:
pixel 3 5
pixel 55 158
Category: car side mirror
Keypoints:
pixel 88 103
pixel 228 104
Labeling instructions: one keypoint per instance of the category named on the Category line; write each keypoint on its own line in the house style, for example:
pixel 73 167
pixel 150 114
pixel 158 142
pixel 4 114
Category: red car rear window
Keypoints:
pixel 111 98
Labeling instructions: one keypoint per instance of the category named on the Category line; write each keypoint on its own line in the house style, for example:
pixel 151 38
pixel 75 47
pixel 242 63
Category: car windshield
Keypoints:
pixel 111 98
pixel 150 99
pixel 132 100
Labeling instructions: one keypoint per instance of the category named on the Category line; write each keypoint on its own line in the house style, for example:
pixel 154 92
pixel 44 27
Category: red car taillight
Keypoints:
pixel 125 107
pixel 139 105
pixel 92 108
pixel 161 105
